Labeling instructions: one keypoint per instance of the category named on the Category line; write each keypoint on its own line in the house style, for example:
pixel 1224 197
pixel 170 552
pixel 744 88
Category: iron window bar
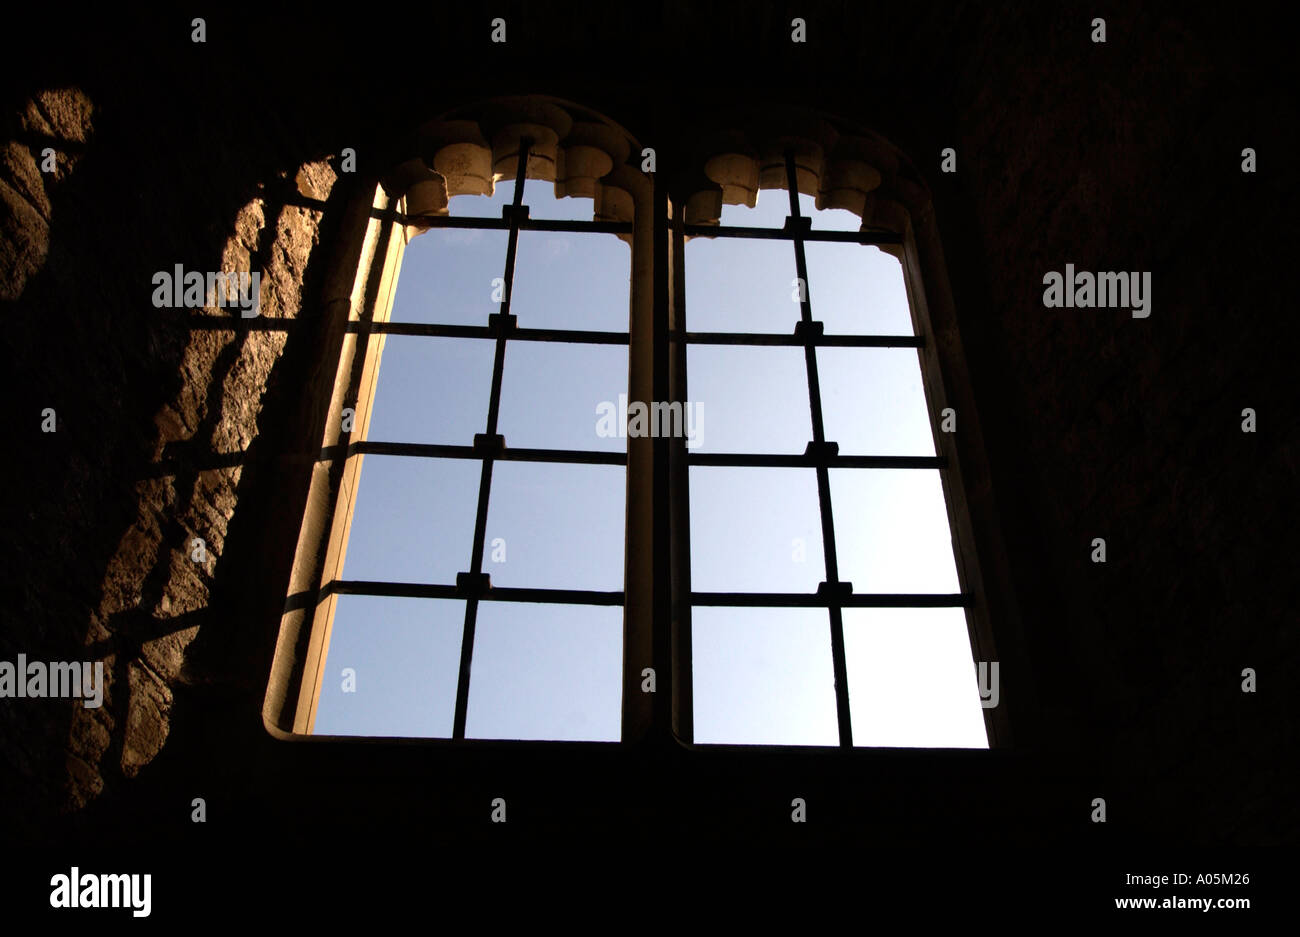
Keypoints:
pixel 468 589
pixel 562 225
pixel 435 329
pixel 825 599
pixel 445 451
pixel 816 460
pixel 783 234
pixel 780 338
pixel 820 454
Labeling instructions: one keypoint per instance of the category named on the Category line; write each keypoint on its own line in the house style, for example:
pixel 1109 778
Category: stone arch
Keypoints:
pixel 467 150
pixel 840 165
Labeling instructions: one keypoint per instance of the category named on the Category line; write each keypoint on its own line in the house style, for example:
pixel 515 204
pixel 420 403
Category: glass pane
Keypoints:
pixel 414 519
pixel 446 276
pixel 828 219
pixel 912 681
pixel 857 289
pixel 432 390
pixel 873 402
pixel 484 206
pixel 554 394
pixel 542 203
pixel 774 207
pixel 763 676
pixel 740 285
pixel 546 672
pixel 559 526
pixel 755 530
pixel 571 281
pixel 749 398
pixel 404 655
pixel 891 530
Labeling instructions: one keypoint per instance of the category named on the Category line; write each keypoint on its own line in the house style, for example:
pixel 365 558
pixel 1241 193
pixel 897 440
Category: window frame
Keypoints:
pixel 472 586
pixel 390 221
pixel 656 594
pixel 904 225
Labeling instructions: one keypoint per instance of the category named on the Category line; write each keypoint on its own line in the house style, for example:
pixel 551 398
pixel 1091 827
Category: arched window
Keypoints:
pixel 472 585
pixel 844 620
pixel 705 489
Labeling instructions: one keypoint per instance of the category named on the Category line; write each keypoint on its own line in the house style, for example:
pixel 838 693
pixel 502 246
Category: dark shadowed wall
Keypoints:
pixel 1117 156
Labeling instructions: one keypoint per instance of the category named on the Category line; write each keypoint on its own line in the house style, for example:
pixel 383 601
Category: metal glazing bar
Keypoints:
pixel 765 460
pixel 525 224
pixel 824 600
pixel 418 590
pixel 820 341
pixel 485 477
pixel 781 234
pixel 838 656
pixel 575 336
pixel 437 451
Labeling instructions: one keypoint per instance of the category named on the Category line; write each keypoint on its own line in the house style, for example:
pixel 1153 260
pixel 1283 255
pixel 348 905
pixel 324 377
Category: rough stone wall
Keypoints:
pixel 91 346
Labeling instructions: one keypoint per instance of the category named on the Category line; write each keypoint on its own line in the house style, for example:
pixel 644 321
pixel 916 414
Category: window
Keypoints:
pixel 478 481
pixel 821 461
pixel 785 565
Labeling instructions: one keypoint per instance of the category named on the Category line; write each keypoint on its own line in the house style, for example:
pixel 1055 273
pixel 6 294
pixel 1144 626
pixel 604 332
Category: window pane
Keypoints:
pixel 740 285
pixel 828 219
pixel 404 654
pixel 751 398
pixel 414 519
pixel 571 281
pixel 484 206
pixel 446 276
pixel 542 203
pixel 552 395
pixel 560 526
pixel 546 672
pixel 774 207
pixel 873 402
pixel 891 530
pixel 755 530
pixel 912 681
pixel 763 676
pixel 857 289
pixel 771 211
pixel 432 390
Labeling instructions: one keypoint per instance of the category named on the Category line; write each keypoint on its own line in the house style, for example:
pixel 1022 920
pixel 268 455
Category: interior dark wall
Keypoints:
pixel 1117 156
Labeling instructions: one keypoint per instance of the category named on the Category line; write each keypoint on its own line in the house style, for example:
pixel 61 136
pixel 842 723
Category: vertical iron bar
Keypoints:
pixel 839 663
pixel 485 478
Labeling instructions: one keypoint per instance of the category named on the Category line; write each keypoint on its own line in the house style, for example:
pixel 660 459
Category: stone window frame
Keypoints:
pixel 586 154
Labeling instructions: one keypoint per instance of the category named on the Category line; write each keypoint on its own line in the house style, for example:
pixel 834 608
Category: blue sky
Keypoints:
pixel 554 672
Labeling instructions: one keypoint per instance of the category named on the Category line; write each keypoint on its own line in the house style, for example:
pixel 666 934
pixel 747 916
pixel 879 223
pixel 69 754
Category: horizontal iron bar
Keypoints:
pixel 781 234
pixel 753 460
pixel 417 590
pixel 487 332
pixel 768 338
pixel 814 600
pixel 437 451
pixel 524 224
